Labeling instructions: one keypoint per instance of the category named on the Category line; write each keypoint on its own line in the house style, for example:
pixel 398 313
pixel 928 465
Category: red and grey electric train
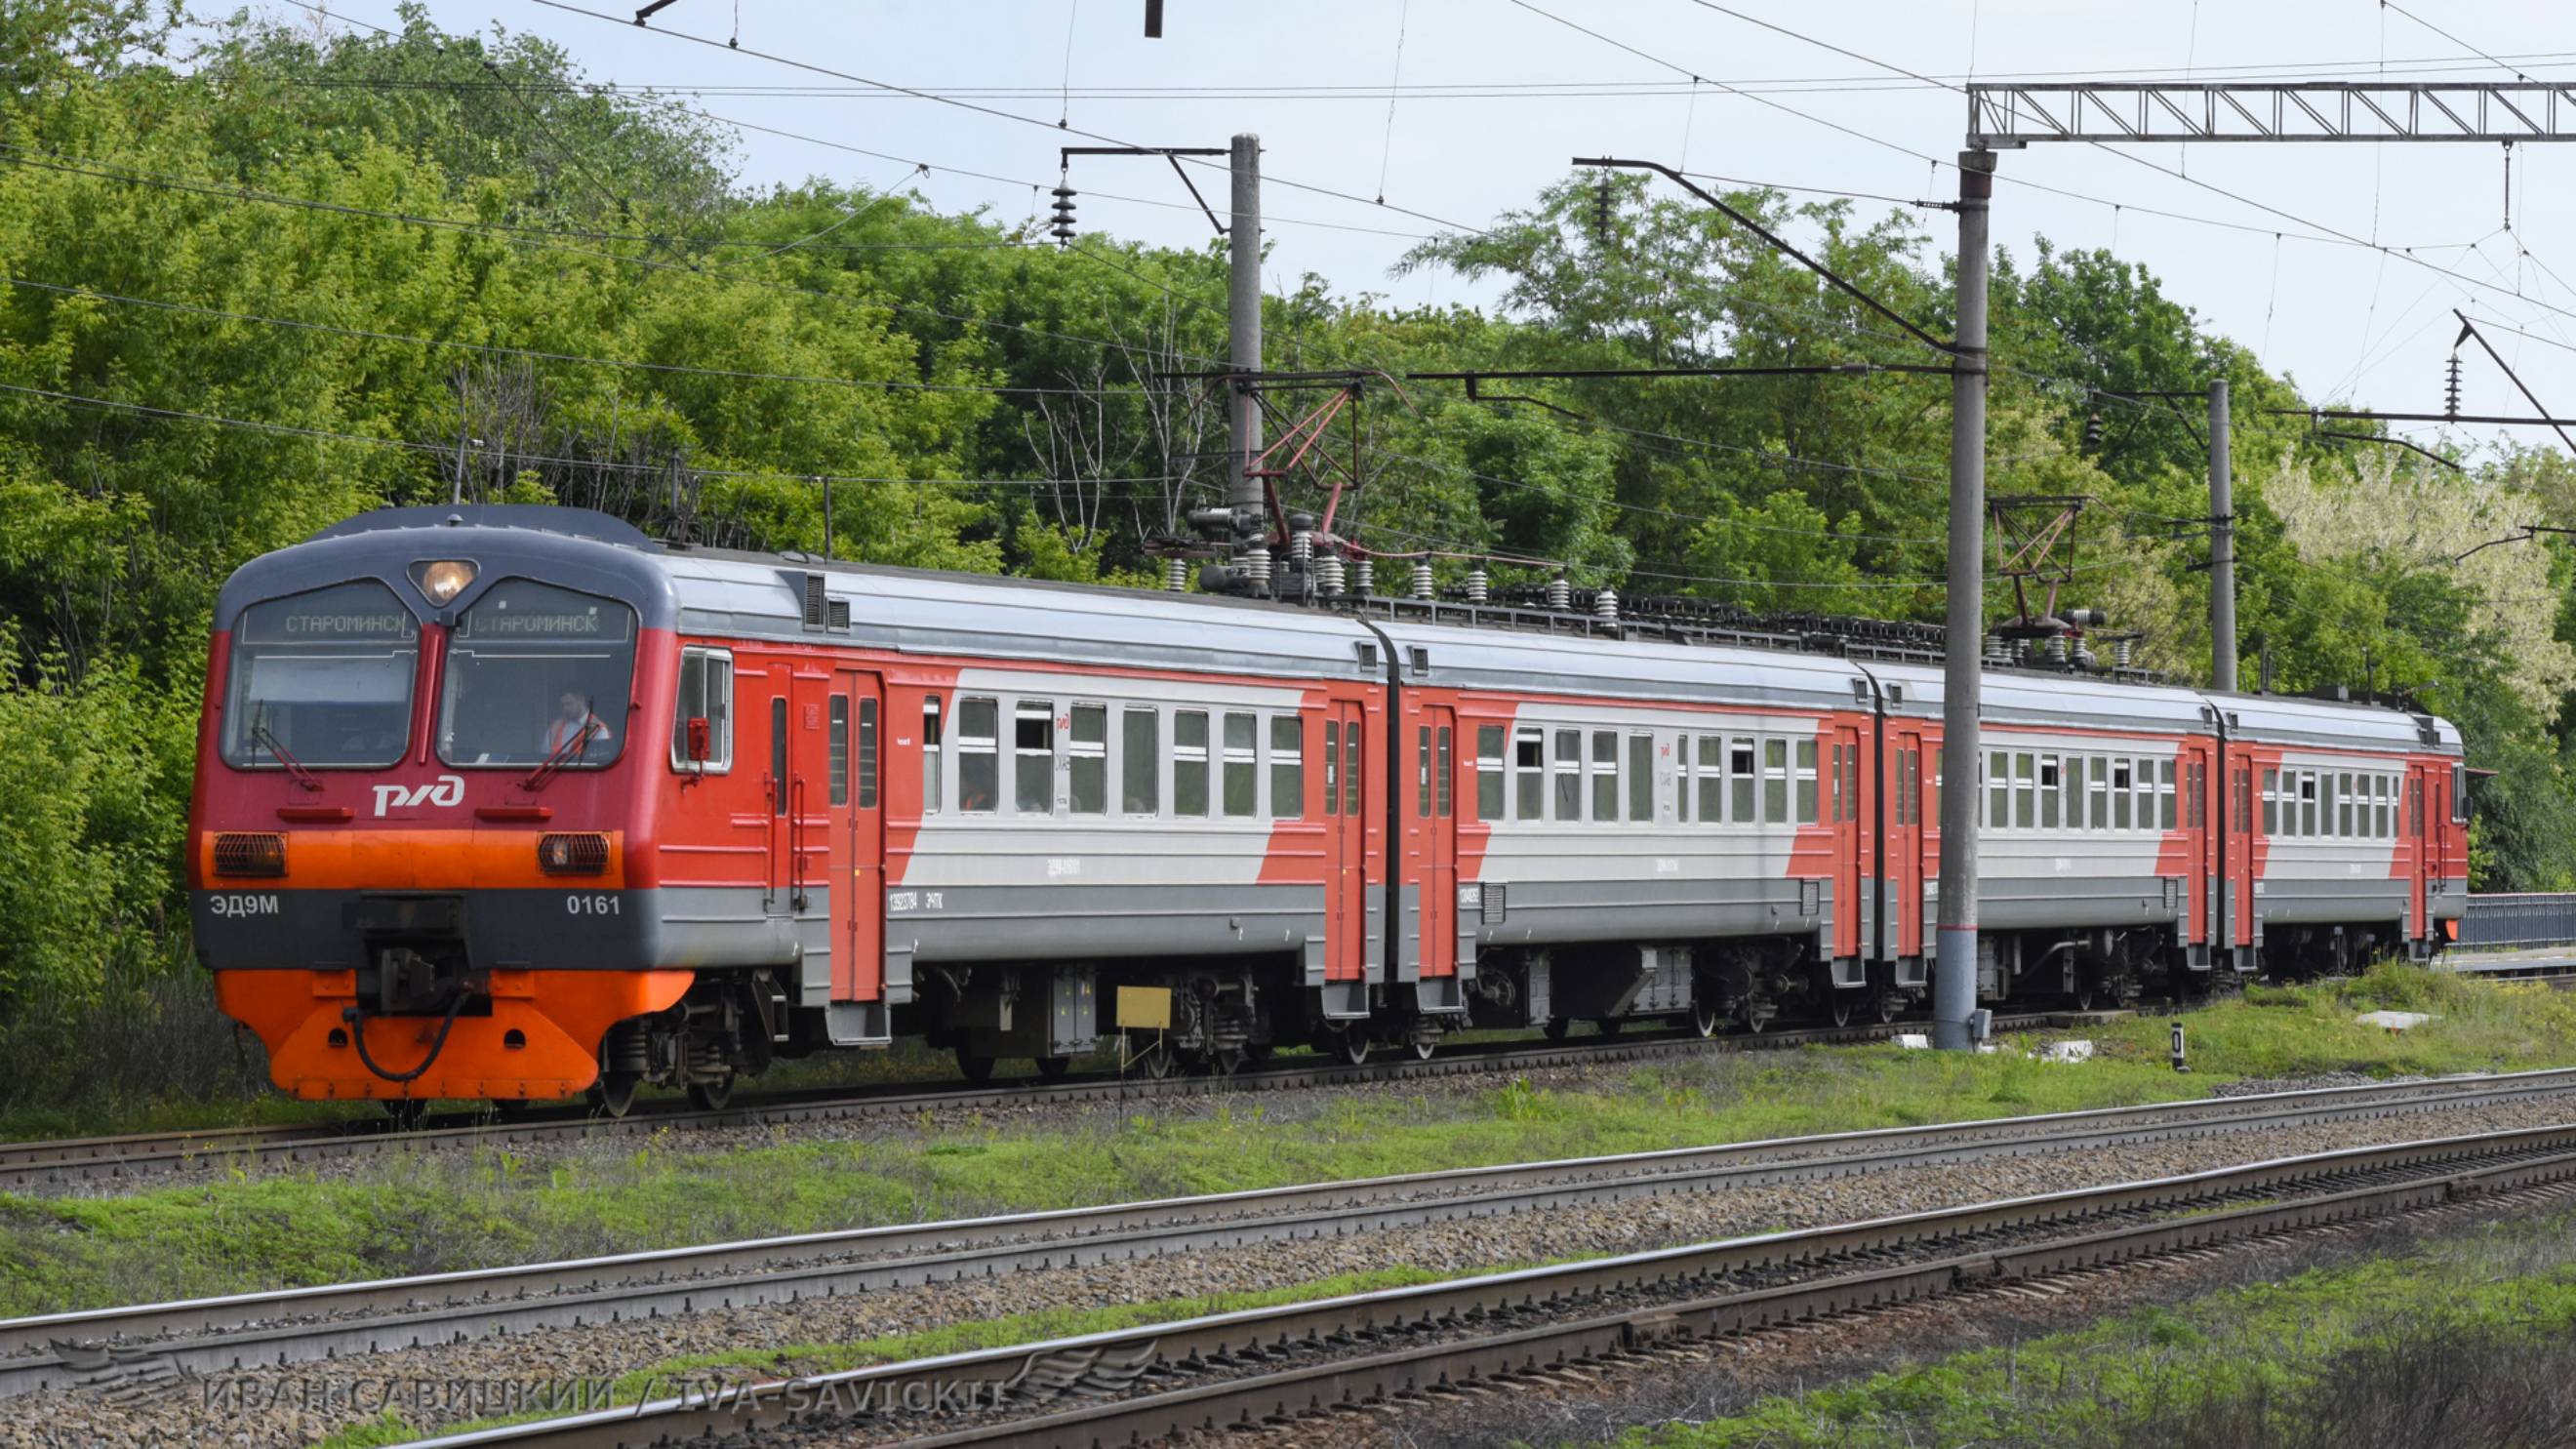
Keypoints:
pixel 511 803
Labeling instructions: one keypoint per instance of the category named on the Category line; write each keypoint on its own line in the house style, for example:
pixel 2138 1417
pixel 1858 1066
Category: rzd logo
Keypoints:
pixel 444 791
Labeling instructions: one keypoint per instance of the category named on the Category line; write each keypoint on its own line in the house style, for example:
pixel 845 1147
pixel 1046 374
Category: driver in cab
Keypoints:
pixel 573 717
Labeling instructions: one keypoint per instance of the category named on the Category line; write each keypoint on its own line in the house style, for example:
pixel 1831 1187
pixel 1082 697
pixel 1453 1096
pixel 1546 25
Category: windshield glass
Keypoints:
pixel 536 672
pixel 322 679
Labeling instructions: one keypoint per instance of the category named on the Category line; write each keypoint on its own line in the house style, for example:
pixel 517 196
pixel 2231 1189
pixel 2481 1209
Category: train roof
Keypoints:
pixel 793 597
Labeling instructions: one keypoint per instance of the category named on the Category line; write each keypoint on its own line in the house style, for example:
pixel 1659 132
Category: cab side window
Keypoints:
pixel 706 693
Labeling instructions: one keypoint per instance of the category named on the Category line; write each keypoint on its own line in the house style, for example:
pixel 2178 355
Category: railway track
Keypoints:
pixel 1275 1366
pixel 338 1321
pixel 77 1162
pixel 69 1163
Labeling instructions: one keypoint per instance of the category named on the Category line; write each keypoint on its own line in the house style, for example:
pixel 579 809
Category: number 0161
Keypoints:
pixel 598 905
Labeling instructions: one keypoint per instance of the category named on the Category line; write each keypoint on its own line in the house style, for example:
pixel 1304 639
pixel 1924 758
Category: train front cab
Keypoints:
pixel 420 860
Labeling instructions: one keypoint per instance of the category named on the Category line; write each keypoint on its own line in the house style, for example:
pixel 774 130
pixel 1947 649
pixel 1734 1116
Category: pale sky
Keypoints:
pixel 2343 319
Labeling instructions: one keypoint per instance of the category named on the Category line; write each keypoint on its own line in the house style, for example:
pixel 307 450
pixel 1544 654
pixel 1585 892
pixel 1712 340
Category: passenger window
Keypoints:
pixel 1242 764
pixel 1190 763
pixel 706 692
pixel 1529 766
pixel 979 770
pixel 1569 774
pixel 1140 787
pixel 1287 767
pixel 1489 772
pixel 1087 760
pixel 2123 791
pixel 2164 794
pixel 2097 815
pixel 1740 778
pixel 2343 804
pixel 1712 780
pixel 1605 776
pixel 2048 788
pixel 1444 781
pixel 930 750
pixel 2271 802
pixel 1641 777
pixel 1998 790
pixel 1033 757
pixel 867 754
pixel 1806 782
pixel 837 748
pixel 2308 803
pixel 1775 781
pixel 2025 793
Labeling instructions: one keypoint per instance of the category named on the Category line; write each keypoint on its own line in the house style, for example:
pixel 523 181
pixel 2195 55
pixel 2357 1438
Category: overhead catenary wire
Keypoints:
pixel 489 349
pixel 1269 178
pixel 447 450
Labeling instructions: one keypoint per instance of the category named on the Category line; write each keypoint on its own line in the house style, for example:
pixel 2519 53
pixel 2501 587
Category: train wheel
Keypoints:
pixel 1351 1046
pixel 1153 1063
pixel 712 1096
pixel 613 1095
pixel 1225 1061
pixel 1424 1046
pixel 1556 1028
pixel 1839 1008
pixel 972 1067
pixel 1704 1017
pixel 1054 1068
pixel 1887 1005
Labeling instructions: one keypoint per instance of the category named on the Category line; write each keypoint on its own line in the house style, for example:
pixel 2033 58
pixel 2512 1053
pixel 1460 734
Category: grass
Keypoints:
pixel 416 1213
pixel 2462 1341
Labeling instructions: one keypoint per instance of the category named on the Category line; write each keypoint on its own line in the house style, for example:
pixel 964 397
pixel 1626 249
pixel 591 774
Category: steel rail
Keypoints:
pixel 73 1161
pixel 1110 1363
pixel 302 1324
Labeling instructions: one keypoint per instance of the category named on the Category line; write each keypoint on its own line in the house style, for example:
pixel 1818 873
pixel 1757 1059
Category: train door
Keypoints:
pixel 1346 849
pixel 1904 815
pixel 2415 846
pixel 2199 864
pixel 851 829
pixel 777 794
pixel 1435 798
pixel 2237 854
pixel 1849 913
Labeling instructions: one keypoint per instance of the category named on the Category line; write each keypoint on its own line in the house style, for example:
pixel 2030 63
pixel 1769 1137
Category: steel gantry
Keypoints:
pixel 2001 116
pixel 2008 117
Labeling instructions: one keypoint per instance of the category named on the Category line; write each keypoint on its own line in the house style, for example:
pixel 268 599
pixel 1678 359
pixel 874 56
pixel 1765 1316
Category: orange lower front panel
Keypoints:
pixel 541 1039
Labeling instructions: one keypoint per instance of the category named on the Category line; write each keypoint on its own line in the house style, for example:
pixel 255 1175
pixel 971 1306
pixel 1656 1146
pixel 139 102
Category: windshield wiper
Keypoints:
pixel 578 747
pixel 263 736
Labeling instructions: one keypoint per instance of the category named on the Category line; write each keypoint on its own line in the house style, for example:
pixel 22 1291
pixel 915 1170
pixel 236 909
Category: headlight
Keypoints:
pixel 572 854
pixel 442 580
pixel 240 853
